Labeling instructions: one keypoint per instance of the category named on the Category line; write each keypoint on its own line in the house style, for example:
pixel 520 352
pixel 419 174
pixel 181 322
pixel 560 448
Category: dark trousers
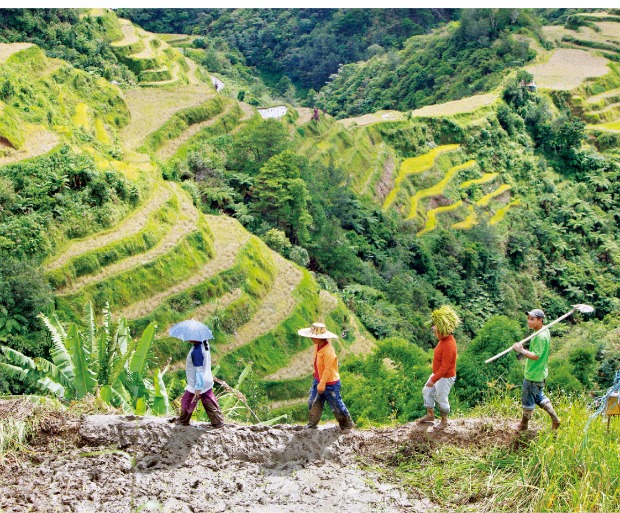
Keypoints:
pixel 332 395
pixel 209 401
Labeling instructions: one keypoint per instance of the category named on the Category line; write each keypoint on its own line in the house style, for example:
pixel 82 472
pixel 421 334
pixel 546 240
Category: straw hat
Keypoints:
pixel 317 330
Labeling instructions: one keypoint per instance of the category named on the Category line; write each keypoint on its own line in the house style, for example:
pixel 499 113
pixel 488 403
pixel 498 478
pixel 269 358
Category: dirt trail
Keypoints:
pixel 8 49
pixel 130 226
pixel 229 237
pixel 188 217
pixel 275 307
pixel 117 464
pixel 171 146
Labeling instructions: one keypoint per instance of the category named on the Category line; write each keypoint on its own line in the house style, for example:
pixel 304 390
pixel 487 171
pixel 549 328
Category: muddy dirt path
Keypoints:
pixel 114 463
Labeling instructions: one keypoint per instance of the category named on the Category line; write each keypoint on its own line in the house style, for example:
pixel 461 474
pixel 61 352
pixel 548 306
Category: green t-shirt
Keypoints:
pixel 536 370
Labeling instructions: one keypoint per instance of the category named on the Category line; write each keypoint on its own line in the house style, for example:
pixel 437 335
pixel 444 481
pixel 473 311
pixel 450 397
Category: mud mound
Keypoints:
pixel 128 463
pixel 159 444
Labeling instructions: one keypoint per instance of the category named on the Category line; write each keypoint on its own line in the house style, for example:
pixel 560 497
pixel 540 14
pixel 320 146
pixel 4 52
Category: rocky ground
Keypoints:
pixel 112 463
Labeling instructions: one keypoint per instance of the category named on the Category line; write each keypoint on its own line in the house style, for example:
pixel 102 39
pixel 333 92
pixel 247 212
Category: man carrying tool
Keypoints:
pixel 536 371
pixel 326 383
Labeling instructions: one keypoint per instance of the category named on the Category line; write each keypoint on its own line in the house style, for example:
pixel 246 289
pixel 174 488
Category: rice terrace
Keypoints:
pixel 275 260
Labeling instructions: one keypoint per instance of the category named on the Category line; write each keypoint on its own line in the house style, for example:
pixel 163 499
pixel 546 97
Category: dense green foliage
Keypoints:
pixel 104 361
pixel 463 59
pixel 302 46
pixel 560 247
pixel 68 34
pixel 56 196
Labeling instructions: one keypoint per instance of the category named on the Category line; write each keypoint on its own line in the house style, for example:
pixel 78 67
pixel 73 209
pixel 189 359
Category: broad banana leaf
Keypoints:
pixel 106 395
pixel 139 358
pixel 161 403
pixel 118 367
pixel 140 406
pixel 89 316
pixel 118 355
pixel 55 374
pixel 85 379
pixel 123 398
pixel 23 361
pixel 122 335
pixel 18 373
pixel 47 385
pixel 102 357
pixel 59 352
pixel 135 385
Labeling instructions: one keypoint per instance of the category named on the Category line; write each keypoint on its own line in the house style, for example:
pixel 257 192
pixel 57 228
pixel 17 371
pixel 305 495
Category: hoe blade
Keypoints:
pixel 586 309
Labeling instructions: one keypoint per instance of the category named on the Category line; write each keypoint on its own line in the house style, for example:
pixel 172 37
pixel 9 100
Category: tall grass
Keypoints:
pixel 548 471
pixel 20 419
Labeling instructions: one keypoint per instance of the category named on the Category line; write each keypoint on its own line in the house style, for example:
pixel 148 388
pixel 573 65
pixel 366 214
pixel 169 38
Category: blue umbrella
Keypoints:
pixel 191 330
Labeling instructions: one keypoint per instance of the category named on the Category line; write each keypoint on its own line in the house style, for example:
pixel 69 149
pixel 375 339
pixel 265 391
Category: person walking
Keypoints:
pixel 199 386
pixel 437 388
pixel 326 379
pixel 536 371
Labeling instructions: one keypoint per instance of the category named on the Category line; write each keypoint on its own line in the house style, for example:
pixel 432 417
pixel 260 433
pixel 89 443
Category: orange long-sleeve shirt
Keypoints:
pixel 444 359
pixel 326 364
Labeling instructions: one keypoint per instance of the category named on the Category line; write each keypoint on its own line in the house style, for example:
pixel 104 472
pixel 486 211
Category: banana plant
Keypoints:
pixel 105 361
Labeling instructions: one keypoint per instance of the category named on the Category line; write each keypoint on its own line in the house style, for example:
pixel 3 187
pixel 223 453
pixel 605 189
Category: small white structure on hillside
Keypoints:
pixel 273 112
pixel 217 83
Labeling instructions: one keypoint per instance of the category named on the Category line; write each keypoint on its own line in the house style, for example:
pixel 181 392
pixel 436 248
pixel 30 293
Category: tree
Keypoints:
pixel 281 196
pixel 256 144
pixel 24 292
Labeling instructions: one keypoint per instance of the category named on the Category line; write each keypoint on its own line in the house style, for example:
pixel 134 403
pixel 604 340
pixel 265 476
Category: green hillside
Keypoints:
pixel 169 200
pixel 476 166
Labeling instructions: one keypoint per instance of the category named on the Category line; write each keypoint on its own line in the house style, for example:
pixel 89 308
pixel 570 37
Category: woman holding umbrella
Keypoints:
pixel 197 373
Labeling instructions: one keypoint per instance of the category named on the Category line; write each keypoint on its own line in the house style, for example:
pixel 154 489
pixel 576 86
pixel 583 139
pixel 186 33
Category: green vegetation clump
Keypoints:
pixel 11 129
pixel 459 60
pixel 84 41
pixel 59 196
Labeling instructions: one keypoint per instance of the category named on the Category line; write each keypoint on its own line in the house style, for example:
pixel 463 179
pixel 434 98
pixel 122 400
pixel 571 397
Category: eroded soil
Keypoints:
pixel 113 463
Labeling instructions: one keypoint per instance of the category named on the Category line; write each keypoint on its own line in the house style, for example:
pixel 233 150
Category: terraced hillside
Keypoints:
pixel 166 261
pixel 596 52
pixel 154 61
pixel 440 185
